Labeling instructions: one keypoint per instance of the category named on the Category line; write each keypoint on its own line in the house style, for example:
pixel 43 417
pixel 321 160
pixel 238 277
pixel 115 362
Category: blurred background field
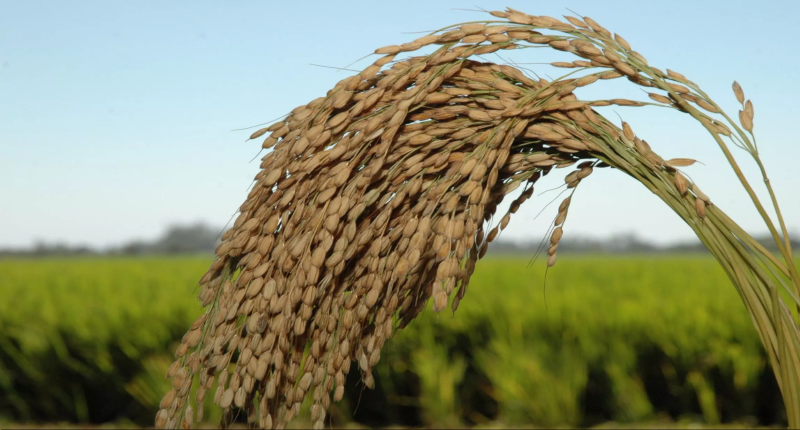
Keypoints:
pixel 609 340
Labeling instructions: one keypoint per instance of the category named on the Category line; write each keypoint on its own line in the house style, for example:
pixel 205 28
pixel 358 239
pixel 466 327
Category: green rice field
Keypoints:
pixel 605 340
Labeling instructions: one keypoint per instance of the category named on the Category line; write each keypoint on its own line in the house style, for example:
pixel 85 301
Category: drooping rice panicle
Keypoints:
pixel 381 195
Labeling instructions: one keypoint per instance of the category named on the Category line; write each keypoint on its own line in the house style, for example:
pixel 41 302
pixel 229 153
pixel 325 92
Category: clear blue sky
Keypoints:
pixel 116 117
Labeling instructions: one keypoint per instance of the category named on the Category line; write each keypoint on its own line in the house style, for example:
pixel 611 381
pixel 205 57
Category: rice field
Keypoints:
pixel 607 339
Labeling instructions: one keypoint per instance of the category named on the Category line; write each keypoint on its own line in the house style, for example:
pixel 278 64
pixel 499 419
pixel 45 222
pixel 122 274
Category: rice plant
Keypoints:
pixel 382 195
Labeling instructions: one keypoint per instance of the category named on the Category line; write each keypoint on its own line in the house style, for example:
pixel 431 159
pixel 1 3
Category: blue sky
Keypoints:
pixel 116 117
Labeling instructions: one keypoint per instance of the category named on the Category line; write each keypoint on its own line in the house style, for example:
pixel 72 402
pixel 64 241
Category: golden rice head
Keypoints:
pixel 379 198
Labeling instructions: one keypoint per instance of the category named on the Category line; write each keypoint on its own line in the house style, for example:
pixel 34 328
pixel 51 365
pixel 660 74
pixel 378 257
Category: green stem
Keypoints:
pixel 787 242
pixel 732 161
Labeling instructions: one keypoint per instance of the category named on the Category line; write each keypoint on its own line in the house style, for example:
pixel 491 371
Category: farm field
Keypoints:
pixel 609 340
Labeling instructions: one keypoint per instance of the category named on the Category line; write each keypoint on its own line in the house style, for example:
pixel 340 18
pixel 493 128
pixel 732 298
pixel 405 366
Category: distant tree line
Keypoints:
pixel 194 239
pixel 203 239
pixel 618 244
pixel 177 239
